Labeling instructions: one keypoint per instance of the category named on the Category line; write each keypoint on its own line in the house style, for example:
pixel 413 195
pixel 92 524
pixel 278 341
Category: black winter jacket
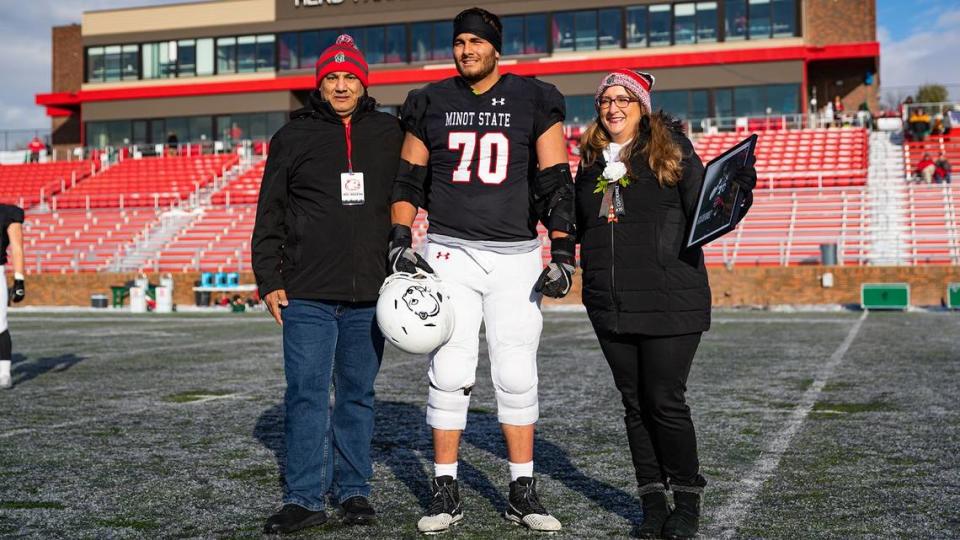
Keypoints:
pixel 637 279
pixel 305 239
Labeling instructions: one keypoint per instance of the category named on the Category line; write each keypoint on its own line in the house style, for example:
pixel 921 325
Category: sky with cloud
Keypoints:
pixel 919 40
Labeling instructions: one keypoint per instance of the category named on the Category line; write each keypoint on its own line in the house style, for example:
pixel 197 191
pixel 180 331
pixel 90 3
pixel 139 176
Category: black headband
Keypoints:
pixel 472 23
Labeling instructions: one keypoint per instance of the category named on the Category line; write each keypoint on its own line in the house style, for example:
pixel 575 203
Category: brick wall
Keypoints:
pixel 839 21
pixel 66 76
pixel 737 287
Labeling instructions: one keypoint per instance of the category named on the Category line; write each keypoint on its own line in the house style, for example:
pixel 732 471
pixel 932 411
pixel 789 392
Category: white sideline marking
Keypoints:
pixel 731 516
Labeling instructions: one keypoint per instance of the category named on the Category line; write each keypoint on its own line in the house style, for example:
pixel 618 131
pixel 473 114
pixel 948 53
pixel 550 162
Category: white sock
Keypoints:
pixel 4 368
pixel 445 469
pixel 520 469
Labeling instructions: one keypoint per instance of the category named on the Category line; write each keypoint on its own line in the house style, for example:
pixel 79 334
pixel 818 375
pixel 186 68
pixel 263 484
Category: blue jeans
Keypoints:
pixel 326 342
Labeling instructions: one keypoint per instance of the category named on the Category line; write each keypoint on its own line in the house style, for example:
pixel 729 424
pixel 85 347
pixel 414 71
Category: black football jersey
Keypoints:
pixel 482 153
pixel 8 214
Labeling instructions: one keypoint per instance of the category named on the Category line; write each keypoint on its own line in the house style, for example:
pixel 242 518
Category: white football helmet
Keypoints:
pixel 414 313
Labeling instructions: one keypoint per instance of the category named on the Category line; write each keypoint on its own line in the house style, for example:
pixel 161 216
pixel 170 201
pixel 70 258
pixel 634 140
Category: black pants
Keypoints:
pixel 651 374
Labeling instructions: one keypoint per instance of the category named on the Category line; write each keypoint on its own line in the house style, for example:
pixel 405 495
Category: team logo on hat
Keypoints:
pixel 340 58
pixel 611 79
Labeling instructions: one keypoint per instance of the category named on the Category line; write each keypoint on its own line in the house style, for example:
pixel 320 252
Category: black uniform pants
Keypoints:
pixel 651 374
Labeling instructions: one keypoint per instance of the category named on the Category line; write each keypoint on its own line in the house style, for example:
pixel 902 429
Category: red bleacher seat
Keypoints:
pixel 26 184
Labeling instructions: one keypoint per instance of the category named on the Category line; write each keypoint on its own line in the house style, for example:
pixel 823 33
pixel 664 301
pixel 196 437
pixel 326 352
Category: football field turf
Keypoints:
pixel 810 425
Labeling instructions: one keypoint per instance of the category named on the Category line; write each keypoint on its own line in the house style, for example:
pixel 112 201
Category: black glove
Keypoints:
pixel 746 176
pixel 557 278
pixel 400 256
pixel 17 292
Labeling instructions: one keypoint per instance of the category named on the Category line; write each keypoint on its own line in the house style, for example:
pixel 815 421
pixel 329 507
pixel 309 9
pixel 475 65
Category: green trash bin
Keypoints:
pixel 953 295
pixel 119 293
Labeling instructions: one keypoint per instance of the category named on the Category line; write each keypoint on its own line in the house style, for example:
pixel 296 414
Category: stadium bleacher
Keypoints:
pixel 154 182
pixel 244 189
pixel 27 184
pixel 77 240
pixel 913 151
pixel 218 240
pixel 800 158
pixel 933 219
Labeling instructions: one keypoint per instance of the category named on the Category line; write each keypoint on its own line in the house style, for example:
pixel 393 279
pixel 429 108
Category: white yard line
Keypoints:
pixel 731 516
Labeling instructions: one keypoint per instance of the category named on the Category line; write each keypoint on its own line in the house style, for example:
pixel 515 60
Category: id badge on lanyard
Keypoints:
pixel 351 183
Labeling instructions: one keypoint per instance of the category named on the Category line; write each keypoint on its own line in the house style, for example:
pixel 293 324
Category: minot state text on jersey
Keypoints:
pixel 474 118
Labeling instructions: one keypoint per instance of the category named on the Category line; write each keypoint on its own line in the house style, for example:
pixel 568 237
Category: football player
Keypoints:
pixel 484 154
pixel 11 235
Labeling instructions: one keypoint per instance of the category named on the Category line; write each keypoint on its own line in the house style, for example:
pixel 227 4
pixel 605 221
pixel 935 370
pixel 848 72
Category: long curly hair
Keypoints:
pixel 653 140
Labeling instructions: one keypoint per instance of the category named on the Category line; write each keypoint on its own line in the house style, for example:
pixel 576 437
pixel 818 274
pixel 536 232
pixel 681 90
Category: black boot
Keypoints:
pixel 684 521
pixel 293 517
pixel 655 510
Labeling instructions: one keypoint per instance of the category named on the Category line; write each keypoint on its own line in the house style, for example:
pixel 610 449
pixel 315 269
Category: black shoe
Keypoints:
pixel 293 517
pixel 684 521
pixel 525 507
pixel 445 510
pixel 655 513
pixel 357 511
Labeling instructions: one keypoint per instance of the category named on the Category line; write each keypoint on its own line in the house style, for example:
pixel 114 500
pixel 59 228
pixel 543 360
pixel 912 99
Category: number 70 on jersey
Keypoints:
pixel 494 155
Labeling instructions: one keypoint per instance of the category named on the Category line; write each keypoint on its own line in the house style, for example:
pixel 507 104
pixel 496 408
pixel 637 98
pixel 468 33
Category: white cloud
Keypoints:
pixel 925 55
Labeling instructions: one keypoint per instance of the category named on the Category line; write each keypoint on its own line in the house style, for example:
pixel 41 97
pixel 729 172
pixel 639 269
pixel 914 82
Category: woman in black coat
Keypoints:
pixel 647 297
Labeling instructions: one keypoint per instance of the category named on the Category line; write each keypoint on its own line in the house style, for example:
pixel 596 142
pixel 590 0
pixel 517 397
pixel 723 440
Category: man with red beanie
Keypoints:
pixel 318 250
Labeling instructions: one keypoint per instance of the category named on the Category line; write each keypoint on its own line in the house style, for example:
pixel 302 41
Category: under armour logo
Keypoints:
pixel 340 58
pixel 442 255
pixel 499 101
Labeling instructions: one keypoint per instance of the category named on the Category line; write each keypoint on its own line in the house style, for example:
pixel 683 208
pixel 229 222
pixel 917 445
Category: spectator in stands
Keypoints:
pixel 942 173
pixel 172 143
pixel 639 181
pixel 318 245
pixel 864 116
pixel 919 124
pixel 35 147
pixel 926 169
pixel 937 127
pixel 838 110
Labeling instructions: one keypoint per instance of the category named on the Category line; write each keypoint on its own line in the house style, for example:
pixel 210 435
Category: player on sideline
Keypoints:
pixel 494 148
pixel 11 234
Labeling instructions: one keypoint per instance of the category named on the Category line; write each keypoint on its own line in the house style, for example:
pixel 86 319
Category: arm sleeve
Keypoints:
pixel 413 114
pixel 550 108
pixel 692 177
pixel 269 230
pixel 16 214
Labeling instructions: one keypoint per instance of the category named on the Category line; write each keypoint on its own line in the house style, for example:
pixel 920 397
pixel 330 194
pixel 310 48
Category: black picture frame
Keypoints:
pixel 718 205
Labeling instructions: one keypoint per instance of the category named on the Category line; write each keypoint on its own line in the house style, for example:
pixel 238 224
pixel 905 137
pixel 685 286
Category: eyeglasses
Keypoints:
pixel 622 101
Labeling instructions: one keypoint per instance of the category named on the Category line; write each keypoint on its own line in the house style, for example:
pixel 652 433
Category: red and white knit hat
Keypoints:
pixel 343 56
pixel 638 82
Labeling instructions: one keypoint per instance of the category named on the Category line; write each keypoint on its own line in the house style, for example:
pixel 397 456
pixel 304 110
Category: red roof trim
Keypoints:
pixel 56 102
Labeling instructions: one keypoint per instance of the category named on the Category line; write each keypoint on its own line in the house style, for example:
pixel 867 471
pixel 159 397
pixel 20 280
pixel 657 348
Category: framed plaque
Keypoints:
pixel 718 207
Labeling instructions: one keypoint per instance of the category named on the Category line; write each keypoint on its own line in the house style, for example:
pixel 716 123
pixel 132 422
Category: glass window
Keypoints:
pixel 420 41
pixel 95 67
pixel 673 102
pixel 759 19
pixel 784 18
pixel 563 32
pixel 442 40
pixel 659 25
pixel 723 102
pixel 611 28
pixel 205 56
pixel 784 98
pixel 168 59
pixel 275 121
pixel 200 127
pixel 735 25
pixel 749 101
pixel 139 132
pixel 113 133
pixel 536 34
pixel 158 131
pixel 288 48
pixel 512 35
pixel 585 24
pixel 111 62
pixel 246 54
pixel 637 26
pixel 179 127
pixel 227 55
pixel 374 44
pixel 187 54
pixel 684 23
pixel 580 109
pixel 396 46
pixel 129 62
pixel 699 105
pixel 258 126
pixel 265 52
pixel 706 22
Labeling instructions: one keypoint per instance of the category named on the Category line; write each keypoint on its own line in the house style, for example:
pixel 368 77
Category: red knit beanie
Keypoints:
pixel 343 56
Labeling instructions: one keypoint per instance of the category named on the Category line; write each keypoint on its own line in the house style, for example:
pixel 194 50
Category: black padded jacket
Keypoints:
pixel 305 239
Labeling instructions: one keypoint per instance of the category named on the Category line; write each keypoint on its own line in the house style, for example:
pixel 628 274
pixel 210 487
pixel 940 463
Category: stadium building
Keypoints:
pixel 233 69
